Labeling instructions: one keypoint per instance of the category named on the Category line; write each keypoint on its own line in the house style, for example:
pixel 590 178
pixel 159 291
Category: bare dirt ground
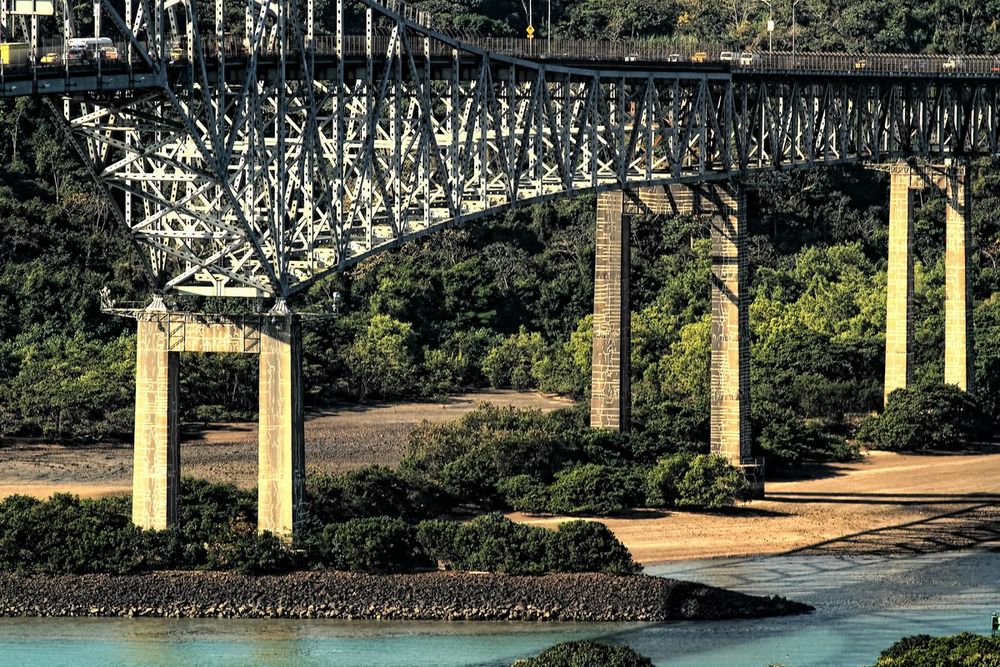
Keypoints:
pixel 886 504
pixel 340 438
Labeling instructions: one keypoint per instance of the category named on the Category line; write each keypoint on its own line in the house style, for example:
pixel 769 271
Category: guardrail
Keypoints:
pixel 53 56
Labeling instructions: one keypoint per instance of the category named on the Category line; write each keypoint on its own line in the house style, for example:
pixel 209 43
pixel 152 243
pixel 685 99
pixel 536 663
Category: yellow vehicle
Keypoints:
pixel 51 58
pixel 14 53
pixel 699 57
pixel 860 64
pixel 177 54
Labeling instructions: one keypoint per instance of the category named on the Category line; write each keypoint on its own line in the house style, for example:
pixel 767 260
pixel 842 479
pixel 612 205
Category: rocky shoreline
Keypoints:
pixel 426 596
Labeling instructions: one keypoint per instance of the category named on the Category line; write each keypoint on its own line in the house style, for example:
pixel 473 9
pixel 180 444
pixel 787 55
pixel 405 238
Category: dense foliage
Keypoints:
pixel 525 460
pixel 586 654
pixel 217 531
pixel 938 417
pixel 962 650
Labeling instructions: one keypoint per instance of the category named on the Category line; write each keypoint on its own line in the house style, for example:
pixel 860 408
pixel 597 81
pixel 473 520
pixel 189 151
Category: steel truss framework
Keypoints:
pixel 255 171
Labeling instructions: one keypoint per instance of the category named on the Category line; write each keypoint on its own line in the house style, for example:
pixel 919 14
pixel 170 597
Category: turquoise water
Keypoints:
pixel 863 605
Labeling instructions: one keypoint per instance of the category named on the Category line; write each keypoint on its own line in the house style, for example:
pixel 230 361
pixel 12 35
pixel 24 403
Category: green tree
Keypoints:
pixel 382 360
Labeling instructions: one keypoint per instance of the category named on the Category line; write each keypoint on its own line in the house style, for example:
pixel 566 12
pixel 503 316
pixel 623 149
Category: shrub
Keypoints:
pixel 788 441
pixel 587 654
pixel 67 534
pixel 588 546
pixel 372 544
pixel 494 543
pixel 437 538
pixel 367 492
pixel 523 493
pixel 962 650
pixel 205 508
pixel 246 551
pixel 663 479
pixel 589 489
pixel 467 458
pixel 932 417
pixel 712 482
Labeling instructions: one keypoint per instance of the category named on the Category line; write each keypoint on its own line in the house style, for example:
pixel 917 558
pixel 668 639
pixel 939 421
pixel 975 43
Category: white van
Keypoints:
pixel 727 56
pixel 95 46
pixel 747 59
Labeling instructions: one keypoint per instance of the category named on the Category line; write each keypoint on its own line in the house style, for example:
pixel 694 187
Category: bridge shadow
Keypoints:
pixel 884 498
pixel 858 561
pixel 958 529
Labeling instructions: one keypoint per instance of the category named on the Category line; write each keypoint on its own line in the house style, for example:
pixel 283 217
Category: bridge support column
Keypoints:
pixel 958 326
pixel 899 283
pixel 610 384
pixel 730 369
pixel 156 461
pixel 281 454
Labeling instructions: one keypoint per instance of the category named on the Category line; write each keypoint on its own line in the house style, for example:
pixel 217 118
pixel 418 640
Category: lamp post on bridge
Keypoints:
pixel 794 3
pixel 770 30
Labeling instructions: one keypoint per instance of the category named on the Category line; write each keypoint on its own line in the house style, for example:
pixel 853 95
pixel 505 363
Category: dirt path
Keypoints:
pixel 888 503
pixel 340 438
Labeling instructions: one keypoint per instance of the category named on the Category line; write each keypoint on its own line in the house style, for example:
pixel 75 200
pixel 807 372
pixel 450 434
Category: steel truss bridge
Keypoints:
pixel 255 164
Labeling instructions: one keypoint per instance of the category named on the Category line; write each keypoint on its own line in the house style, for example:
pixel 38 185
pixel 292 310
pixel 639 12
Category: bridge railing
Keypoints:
pixel 52 55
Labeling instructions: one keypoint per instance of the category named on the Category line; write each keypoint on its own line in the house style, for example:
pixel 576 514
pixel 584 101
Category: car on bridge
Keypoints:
pixel 699 57
pixel 50 58
pixel 78 57
pixel 747 59
pixel 952 64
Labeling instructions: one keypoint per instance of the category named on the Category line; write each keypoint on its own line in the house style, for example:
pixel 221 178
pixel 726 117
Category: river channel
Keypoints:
pixel 863 604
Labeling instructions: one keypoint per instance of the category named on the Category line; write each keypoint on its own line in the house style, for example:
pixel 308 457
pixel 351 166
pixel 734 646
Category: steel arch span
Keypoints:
pixel 253 166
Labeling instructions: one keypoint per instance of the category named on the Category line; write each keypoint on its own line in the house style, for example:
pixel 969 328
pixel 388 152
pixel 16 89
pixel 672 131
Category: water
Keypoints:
pixel 863 605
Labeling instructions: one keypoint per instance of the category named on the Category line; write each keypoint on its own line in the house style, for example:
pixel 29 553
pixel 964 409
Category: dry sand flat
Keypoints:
pixel 341 438
pixel 888 503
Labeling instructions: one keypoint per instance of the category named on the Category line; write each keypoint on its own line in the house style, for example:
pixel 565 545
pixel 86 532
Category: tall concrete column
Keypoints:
pixel 899 283
pixel 610 385
pixel 281 454
pixel 730 374
pixel 958 326
pixel 156 466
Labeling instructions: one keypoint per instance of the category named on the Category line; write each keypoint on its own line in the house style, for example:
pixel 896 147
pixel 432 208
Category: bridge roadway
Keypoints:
pixel 132 73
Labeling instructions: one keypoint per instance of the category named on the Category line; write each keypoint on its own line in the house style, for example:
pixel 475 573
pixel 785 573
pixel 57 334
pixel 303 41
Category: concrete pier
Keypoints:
pixel 899 282
pixel 281 453
pixel 725 205
pixel 276 338
pixel 959 358
pixel 730 370
pixel 156 467
pixel 610 384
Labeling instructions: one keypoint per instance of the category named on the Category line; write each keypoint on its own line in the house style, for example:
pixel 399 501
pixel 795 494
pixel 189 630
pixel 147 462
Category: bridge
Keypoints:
pixel 251 160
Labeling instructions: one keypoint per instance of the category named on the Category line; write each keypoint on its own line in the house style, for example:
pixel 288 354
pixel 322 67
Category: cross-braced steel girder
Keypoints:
pixel 262 162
